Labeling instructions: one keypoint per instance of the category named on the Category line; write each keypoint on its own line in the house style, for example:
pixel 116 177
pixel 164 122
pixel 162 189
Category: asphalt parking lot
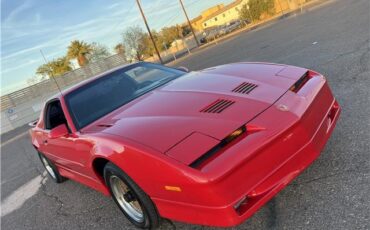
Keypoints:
pixel 334 193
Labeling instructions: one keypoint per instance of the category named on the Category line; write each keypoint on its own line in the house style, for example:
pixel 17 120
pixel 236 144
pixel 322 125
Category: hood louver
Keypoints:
pixel 244 88
pixel 217 106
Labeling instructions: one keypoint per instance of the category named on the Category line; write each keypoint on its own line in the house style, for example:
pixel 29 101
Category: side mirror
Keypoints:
pixel 59 131
pixel 33 123
pixel 182 68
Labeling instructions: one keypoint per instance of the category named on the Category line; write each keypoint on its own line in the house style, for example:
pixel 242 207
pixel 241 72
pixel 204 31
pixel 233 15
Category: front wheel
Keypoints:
pixel 51 169
pixel 130 198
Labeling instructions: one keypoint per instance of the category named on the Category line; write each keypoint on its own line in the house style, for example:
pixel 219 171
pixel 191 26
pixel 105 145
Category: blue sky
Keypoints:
pixel 30 25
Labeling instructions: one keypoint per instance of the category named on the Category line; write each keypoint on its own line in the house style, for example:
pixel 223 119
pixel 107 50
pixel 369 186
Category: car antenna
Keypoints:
pixel 51 72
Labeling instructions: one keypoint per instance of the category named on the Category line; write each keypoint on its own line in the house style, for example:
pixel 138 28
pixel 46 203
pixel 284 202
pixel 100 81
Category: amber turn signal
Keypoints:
pixel 172 188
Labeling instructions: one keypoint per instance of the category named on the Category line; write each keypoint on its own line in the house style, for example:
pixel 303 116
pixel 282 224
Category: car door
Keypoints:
pixel 72 151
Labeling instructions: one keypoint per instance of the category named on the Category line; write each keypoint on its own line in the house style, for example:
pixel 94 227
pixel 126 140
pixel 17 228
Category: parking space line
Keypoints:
pixel 14 139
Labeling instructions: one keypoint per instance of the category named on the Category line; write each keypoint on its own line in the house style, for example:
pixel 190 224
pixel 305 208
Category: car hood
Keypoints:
pixel 212 102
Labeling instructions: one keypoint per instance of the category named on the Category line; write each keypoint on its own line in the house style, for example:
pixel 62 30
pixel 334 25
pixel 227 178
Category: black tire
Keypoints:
pixel 151 218
pixel 53 173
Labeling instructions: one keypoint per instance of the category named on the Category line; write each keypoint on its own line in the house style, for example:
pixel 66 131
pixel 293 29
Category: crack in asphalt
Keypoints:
pixel 57 199
pixel 54 197
pixel 351 171
pixel 43 183
pixel 88 211
pixel 357 49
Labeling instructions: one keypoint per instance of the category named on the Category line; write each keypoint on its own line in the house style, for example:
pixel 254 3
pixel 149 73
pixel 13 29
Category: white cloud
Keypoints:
pixel 114 5
pixel 12 17
pixel 24 51
pixel 27 63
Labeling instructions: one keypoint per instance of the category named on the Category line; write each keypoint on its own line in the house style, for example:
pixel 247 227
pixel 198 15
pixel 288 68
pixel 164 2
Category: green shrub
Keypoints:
pixel 256 9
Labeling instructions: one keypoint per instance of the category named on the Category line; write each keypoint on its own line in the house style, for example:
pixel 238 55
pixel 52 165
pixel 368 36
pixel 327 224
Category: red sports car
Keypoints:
pixel 208 147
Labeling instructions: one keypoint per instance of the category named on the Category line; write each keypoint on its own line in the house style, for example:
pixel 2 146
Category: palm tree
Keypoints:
pixel 120 49
pixel 79 50
pixel 60 66
pixel 44 70
pixel 54 68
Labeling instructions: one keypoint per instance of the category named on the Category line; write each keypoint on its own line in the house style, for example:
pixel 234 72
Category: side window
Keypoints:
pixel 54 115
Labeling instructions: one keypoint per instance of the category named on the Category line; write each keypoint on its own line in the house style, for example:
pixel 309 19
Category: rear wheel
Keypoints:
pixel 51 169
pixel 130 198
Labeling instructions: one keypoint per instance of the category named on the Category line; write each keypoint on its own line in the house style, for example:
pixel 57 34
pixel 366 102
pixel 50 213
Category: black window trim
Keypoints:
pixel 47 104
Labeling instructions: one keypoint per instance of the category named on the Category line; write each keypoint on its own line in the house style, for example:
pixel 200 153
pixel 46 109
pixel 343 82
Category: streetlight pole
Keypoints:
pixel 191 27
pixel 150 33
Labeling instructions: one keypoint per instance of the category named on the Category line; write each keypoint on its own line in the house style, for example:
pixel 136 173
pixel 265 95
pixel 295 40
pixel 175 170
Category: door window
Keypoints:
pixel 54 115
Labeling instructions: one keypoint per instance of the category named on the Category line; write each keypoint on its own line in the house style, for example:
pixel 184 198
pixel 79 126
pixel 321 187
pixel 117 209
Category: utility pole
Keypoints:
pixel 187 18
pixel 150 33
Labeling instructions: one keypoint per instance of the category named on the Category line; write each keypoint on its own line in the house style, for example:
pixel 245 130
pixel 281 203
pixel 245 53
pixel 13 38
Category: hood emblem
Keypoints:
pixel 283 108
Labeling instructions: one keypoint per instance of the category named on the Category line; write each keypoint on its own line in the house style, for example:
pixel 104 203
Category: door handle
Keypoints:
pixel 45 141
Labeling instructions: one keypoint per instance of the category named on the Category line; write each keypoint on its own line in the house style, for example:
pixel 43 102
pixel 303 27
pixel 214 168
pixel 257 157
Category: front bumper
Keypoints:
pixel 271 168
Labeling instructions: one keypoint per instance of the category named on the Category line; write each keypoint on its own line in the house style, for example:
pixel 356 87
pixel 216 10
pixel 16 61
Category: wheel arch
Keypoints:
pixel 98 165
pixel 141 163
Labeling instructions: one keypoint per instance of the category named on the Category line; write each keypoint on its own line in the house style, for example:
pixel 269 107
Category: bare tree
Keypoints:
pixel 120 49
pixel 134 39
pixel 98 51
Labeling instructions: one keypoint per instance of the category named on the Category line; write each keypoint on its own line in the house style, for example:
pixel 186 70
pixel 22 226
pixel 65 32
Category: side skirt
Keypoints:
pixel 88 181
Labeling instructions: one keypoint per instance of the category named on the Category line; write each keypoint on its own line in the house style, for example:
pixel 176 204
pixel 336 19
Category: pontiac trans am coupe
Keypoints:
pixel 208 147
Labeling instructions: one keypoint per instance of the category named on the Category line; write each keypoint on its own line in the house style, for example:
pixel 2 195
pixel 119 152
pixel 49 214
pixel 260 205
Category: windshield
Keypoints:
pixel 105 94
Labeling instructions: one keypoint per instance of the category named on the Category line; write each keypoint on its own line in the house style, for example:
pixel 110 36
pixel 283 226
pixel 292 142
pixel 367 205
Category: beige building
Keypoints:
pixel 218 15
pixel 226 14
pixel 197 23
pixel 222 14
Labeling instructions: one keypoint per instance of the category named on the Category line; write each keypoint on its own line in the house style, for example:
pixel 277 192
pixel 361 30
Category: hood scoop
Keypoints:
pixel 218 106
pixel 245 88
